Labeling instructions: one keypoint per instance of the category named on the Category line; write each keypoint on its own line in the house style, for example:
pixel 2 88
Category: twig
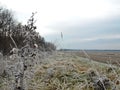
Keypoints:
pixel 13 41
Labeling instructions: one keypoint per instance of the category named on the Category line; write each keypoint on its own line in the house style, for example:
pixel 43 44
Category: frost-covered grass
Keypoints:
pixel 64 71
pixel 12 67
pixel 67 71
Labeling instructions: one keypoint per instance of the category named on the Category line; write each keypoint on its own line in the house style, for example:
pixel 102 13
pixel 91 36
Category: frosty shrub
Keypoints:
pixel 20 33
pixel 22 49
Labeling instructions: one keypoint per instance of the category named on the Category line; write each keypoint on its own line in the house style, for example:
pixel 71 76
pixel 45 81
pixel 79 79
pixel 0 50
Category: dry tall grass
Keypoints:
pixel 67 71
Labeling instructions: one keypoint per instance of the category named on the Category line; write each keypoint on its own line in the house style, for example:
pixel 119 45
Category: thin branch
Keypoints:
pixel 13 41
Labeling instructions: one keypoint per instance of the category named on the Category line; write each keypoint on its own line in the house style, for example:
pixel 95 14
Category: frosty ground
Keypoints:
pixel 69 71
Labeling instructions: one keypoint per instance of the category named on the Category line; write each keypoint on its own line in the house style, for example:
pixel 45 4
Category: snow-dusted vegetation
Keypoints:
pixel 22 48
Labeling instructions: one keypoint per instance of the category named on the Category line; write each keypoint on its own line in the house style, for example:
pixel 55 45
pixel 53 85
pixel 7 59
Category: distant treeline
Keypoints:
pixel 90 50
pixel 12 30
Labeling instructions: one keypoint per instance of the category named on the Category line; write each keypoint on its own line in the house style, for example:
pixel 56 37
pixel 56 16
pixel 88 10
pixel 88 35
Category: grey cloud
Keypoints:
pixel 90 34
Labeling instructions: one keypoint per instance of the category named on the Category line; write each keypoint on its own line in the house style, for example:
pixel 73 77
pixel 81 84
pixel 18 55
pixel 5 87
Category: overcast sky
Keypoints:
pixel 85 24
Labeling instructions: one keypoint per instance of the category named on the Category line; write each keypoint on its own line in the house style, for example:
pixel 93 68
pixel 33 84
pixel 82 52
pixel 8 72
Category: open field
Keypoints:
pixel 102 56
pixel 67 70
